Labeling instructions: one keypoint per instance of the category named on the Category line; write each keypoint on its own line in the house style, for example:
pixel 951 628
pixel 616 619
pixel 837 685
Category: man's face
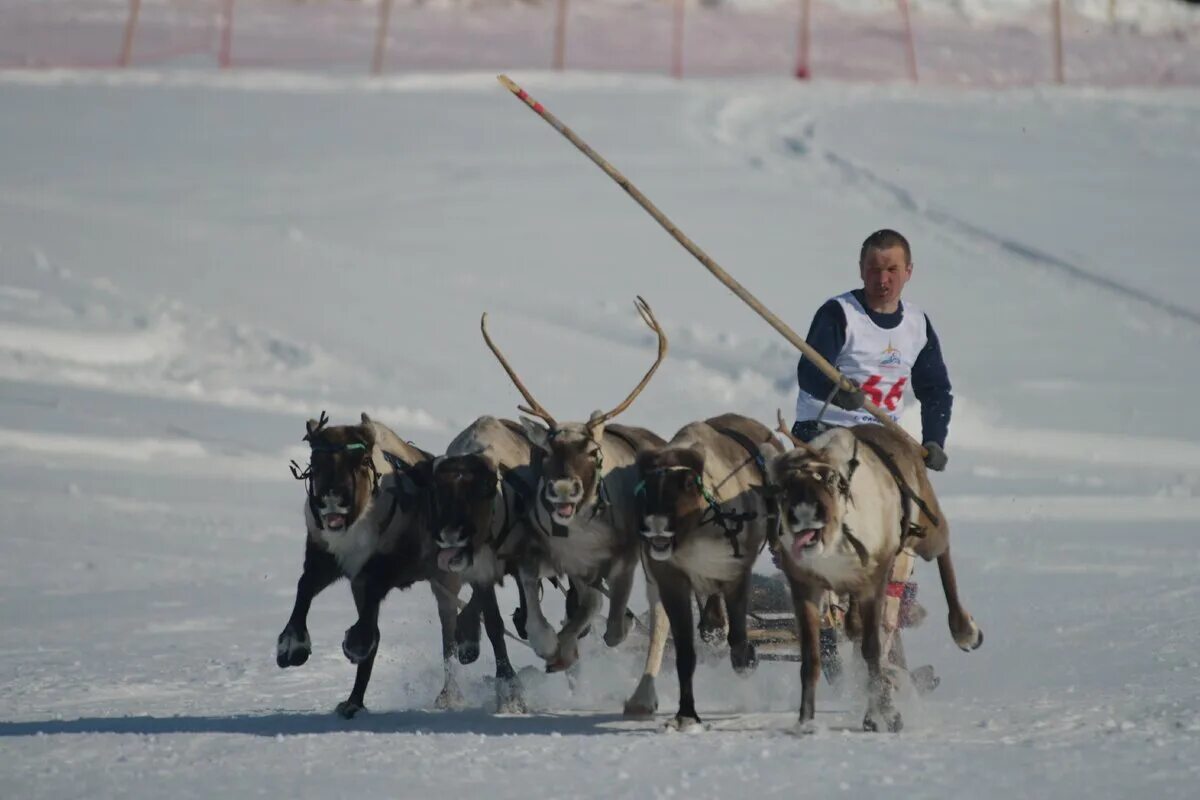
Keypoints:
pixel 884 273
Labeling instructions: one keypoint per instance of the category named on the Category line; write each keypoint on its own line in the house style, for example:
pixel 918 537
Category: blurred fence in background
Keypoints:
pixel 998 43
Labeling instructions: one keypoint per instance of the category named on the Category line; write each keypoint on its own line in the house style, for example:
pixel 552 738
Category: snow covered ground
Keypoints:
pixel 192 264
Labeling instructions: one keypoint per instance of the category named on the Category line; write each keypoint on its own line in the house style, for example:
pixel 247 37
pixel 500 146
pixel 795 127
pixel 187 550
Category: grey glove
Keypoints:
pixel 935 456
pixel 850 400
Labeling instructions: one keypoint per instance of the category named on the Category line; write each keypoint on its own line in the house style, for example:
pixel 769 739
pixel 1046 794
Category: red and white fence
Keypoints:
pixel 873 40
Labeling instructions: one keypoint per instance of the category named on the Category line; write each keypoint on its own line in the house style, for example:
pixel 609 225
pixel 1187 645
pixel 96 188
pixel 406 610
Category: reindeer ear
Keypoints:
pixel 595 425
pixel 693 459
pixel 365 419
pixel 366 435
pixel 311 426
pixel 536 432
pixel 419 474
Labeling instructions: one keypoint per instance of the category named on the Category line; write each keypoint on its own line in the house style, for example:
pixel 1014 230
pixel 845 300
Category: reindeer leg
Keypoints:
pixel 644 701
pixel 880 711
pixel 741 651
pixel 320 570
pixel 620 620
pixel 806 599
pixel 509 699
pixel 361 643
pixel 677 600
pixel 590 600
pixel 445 591
pixel 466 633
pixel 521 614
pixel 542 637
pixel 967 635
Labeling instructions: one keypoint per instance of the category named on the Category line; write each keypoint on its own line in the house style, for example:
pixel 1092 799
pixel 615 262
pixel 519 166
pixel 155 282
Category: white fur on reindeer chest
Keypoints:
pixel 585 549
pixel 707 558
pixel 352 547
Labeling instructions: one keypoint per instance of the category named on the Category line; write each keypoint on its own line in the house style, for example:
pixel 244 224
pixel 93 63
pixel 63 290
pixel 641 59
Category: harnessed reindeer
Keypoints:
pixel 583 523
pixel 706 518
pixel 849 501
pixel 479 496
pixel 363 512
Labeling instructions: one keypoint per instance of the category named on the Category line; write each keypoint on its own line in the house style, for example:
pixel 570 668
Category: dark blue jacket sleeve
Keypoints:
pixel 931 385
pixel 826 335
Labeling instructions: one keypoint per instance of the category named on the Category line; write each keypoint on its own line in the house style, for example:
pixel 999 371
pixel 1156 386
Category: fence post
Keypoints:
pixel 381 36
pixel 1057 34
pixel 560 36
pixel 802 68
pixel 677 41
pixel 126 56
pixel 909 44
pixel 225 56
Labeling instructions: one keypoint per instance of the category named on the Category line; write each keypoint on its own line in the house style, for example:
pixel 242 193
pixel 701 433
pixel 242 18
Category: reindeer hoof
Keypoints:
pixel 468 652
pixel 614 634
pixel 744 658
pixel 684 724
pixel 891 720
pixel 970 638
pixel 509 697
pixel 805 727
pixel 293 648
pixel 450 699
pixel 359 643
pixel 348 708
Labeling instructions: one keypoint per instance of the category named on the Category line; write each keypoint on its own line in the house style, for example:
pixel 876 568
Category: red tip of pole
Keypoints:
pixel 802 73
pixel 521 93
pixel 538 108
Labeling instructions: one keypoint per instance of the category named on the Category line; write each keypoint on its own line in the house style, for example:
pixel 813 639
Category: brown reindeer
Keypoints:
pixel 849 501
pixel 364 514
pixel 583 521
pixel 705 518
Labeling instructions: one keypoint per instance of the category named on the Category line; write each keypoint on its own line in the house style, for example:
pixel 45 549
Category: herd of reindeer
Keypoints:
pixel 583 504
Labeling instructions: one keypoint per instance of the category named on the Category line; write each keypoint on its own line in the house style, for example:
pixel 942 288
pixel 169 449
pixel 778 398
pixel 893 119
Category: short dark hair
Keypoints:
pixel 883 240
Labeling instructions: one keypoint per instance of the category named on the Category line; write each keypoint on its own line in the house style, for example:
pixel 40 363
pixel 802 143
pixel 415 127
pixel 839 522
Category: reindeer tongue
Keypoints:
pixel 801 542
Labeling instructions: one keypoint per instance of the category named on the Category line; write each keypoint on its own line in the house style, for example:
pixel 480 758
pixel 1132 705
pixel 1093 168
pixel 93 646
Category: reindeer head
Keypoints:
pixel 462 498
pixel 570 454
pixel 670 496
pixel 342 478
pixel 810 489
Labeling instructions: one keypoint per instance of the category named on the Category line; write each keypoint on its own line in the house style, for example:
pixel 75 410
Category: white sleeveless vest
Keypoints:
pixel 879 360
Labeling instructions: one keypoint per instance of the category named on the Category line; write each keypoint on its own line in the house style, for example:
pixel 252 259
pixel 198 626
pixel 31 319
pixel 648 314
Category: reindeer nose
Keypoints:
pixel 576 486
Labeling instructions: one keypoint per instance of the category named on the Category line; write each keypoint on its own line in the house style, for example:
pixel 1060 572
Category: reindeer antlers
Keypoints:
pixel 648 317
pixel 797 442
pixel 534 406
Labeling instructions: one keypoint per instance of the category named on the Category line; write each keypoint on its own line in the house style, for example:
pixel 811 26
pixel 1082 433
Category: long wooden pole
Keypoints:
pixel 724 277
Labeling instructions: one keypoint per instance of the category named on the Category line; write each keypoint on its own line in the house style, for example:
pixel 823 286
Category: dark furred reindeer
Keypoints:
pixel 849 501
pixel 705 517
pixel 583 523
pixel 364 514
pixel 479 496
